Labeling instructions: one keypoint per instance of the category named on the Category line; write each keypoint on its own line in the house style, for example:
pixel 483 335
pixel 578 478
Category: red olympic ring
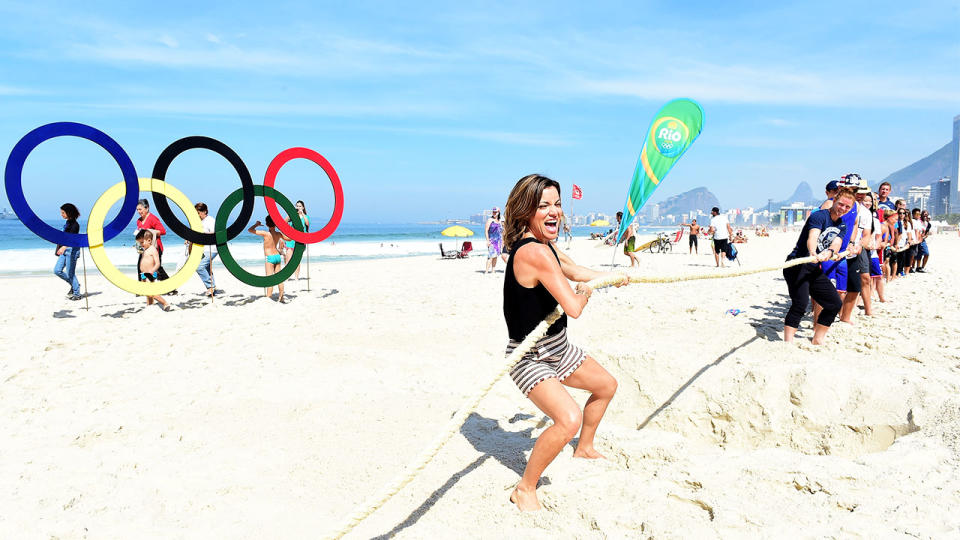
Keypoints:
pixel 271 177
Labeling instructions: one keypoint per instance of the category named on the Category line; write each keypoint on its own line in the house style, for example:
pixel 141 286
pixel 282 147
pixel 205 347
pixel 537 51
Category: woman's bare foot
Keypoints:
pixel 588 453
pixel 526 501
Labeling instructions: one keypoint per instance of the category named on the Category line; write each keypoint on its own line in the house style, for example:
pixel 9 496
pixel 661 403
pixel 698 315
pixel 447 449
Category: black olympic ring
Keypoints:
pixel 163 207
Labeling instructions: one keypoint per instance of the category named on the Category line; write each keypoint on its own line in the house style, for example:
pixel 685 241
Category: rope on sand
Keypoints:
pixel 454 424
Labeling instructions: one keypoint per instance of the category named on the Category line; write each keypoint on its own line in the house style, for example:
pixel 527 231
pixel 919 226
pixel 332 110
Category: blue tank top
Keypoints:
pixel 306 227
pixel 850 220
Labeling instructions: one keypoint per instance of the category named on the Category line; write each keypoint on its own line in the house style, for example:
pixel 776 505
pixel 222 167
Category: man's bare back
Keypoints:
pixel 271 241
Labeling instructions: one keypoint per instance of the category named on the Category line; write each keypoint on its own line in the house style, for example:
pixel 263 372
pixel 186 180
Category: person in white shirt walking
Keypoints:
pixel 722 231
pixel 205 270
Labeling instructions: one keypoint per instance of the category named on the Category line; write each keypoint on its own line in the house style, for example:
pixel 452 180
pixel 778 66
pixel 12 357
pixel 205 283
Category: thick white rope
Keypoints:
pixel 453 426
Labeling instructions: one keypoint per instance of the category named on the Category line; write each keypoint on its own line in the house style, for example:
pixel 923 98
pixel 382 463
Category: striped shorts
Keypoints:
pixel 552 356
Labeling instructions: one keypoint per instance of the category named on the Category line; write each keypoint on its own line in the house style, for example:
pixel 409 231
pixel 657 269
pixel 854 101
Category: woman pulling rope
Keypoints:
pixel 535 282
pixel 821 237
pixel 530 343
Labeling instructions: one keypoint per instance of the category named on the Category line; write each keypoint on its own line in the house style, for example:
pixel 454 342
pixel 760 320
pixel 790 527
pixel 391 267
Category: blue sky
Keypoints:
pixel 433 111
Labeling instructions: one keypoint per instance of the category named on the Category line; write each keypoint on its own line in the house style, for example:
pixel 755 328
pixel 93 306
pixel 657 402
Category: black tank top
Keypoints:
pixel 523 307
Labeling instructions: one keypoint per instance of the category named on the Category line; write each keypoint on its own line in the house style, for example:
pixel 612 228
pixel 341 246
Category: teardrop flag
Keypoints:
pixel 674 128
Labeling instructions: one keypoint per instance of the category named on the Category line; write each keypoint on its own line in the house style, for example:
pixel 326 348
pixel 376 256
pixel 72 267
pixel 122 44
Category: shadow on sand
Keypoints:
pixel 486 435
pixel 692 379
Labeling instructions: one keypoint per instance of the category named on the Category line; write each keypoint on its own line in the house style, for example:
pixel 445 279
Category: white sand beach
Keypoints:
pixel 246 418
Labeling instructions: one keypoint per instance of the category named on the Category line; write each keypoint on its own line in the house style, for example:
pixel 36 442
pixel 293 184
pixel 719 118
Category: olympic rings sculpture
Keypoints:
pixel 163 192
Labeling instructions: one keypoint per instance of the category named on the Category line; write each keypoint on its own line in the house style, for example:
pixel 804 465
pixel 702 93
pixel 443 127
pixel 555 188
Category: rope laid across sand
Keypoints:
pixel 526 345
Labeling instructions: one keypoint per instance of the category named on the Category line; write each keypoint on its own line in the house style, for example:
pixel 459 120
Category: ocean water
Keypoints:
pixel 24 253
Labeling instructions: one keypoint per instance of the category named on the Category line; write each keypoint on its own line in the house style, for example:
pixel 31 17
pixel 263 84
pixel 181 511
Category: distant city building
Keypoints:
pixel 918 197
pixel 795 213
pixel 940 197
pixel 481 218
pixel 956 159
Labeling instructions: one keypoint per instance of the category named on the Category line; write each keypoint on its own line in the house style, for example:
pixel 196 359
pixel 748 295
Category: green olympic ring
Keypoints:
pixel 227 259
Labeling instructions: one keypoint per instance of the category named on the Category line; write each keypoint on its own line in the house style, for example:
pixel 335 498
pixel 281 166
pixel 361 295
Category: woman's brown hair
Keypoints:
pixel 522 205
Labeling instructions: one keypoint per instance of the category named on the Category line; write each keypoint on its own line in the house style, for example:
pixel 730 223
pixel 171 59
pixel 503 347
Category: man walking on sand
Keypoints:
pixel 722 231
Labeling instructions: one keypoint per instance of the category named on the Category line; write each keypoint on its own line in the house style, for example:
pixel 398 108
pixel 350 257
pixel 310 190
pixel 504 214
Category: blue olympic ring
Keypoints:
pixel 13 180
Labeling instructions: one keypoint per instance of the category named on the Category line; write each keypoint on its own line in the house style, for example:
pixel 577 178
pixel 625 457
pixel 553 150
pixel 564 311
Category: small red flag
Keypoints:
pixel 577 194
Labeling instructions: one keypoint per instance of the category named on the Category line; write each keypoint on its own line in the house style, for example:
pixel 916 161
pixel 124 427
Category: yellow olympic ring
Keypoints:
pixel 99 254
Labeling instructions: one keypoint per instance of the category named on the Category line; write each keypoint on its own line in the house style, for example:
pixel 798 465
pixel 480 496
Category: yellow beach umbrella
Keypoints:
pixel 457 230
pixel 600 223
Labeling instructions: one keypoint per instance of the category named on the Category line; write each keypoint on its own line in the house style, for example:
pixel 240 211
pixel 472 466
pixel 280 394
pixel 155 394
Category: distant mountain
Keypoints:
pixel 802 193
pixel 696 199
pixel 925 171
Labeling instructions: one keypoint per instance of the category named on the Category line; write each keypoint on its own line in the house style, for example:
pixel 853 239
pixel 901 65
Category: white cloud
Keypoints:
pixel 240 108
pixel 20 91
pixel 330 56
pixel 770 85
pixel 566 65
pixel 505 137
pixel 254 111
pixel 778 122
pixel 169 41
pixel 219 58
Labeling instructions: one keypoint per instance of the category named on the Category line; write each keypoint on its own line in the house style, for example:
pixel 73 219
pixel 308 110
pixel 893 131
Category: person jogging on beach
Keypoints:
pixel 822 235
pixel 534 283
